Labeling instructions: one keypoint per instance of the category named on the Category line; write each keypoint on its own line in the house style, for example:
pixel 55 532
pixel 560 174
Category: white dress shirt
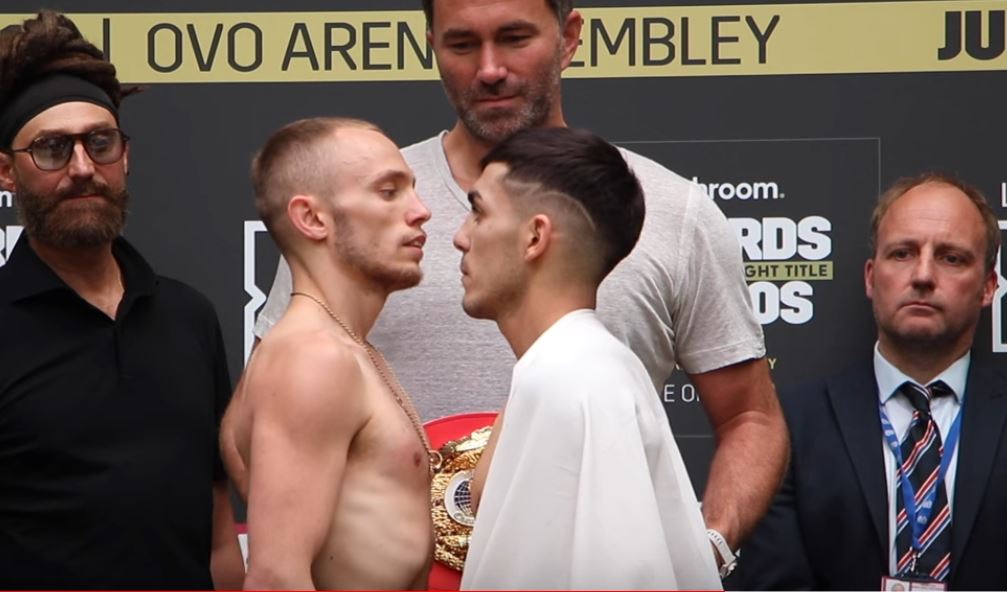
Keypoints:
pixel 900 414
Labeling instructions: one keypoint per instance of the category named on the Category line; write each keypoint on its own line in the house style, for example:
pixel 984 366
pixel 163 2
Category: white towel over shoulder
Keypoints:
pixel 587 489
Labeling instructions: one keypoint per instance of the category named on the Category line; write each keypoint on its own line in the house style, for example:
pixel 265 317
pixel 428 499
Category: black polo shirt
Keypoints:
pixel 108 430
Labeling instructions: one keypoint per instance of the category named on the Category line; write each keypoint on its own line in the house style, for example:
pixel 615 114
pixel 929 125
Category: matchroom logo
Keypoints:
pixel 743 191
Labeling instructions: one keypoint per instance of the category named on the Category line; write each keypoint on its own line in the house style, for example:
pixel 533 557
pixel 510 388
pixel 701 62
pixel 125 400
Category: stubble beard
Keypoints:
pixel 497 125
pixel 60 221
pixel 386 277
pixel 474 309
pixel 495 300
pixel 925 340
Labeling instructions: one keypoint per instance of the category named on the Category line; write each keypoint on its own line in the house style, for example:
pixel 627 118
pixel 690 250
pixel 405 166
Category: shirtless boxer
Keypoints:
pixel 320 438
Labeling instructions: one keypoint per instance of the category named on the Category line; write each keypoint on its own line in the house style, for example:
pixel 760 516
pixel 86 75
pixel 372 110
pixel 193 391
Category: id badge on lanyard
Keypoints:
pixel 919 515
pixel 906 584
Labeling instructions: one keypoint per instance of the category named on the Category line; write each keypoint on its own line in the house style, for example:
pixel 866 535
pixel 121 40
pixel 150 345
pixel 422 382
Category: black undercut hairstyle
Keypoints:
pixel 579 166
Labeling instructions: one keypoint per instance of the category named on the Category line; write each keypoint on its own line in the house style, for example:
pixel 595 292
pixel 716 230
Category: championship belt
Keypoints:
pixel 460 439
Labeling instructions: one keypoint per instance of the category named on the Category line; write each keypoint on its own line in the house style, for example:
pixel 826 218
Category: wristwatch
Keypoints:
pixel 728 557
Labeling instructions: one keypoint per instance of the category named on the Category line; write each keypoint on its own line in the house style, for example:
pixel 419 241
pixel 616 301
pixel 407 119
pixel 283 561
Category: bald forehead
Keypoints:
pixel 935 198
pixel 937 208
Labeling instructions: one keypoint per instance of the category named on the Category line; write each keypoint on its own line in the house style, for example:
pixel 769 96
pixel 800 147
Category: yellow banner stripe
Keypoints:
pixel 785 271
pixel 838 38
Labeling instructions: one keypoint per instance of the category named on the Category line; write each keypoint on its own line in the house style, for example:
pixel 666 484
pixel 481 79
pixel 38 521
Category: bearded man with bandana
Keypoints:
pixel 113 378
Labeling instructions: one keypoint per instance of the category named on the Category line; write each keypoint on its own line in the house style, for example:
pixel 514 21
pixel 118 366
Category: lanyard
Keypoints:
pixel 919 516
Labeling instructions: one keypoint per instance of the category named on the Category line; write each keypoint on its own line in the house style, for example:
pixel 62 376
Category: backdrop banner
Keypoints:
pixel 793 116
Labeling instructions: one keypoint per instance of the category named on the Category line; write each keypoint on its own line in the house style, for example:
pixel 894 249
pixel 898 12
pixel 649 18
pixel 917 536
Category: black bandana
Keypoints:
pixel 48 92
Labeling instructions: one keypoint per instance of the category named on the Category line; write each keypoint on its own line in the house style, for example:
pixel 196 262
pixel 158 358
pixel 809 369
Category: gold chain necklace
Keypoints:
pixel 393 384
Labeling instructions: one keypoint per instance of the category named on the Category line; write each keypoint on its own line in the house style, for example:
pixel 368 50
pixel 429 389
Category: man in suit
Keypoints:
pixel 883 488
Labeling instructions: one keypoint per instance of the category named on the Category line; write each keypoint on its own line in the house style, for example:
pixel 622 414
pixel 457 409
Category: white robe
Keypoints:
pixel 587 489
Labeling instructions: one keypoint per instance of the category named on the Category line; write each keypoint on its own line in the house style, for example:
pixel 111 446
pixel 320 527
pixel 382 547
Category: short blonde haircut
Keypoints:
pixel 293 161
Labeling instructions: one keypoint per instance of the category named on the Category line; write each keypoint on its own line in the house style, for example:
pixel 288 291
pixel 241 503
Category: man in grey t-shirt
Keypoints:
pixel 679 296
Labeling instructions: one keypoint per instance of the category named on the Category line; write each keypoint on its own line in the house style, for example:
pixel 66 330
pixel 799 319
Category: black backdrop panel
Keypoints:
pixel 795 161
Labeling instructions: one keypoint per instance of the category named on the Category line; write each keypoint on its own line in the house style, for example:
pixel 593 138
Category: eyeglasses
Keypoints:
pixel 53 152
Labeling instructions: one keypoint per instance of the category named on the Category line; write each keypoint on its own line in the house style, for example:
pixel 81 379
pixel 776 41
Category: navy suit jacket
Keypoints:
pixel 828 526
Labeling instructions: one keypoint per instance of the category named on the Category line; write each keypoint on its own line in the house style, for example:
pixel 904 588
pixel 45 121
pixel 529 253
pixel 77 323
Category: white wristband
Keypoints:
pixel 728 557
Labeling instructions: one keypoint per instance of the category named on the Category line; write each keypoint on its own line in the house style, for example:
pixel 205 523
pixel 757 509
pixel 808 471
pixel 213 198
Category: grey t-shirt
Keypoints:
pixel 680 295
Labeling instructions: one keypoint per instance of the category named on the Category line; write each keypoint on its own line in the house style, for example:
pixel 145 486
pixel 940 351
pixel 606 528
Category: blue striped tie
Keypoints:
pixel 921 449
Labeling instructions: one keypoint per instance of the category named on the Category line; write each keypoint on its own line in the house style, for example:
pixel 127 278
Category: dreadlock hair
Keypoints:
pixel 48 44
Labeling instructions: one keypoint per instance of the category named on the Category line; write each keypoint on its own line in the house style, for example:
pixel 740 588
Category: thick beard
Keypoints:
pixel 496 126
pixel 65 223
